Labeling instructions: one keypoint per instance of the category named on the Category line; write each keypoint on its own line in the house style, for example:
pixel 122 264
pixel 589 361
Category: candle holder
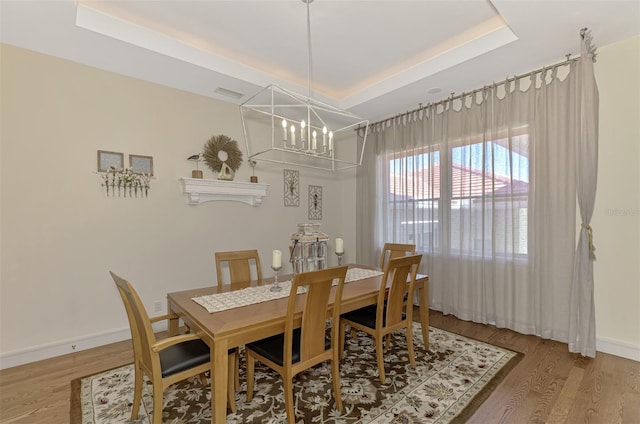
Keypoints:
pixel 339 255
pixel 276 285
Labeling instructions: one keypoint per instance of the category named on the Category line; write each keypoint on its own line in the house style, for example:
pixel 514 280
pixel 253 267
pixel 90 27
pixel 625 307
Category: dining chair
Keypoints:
pixel 394 250
pixel 164 361
pixel 298 349
pixel 390 251
pixel 387 315
pixel 239 263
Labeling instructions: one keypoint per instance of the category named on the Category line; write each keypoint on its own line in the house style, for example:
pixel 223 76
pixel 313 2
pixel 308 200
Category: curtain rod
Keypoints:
pixel 567 61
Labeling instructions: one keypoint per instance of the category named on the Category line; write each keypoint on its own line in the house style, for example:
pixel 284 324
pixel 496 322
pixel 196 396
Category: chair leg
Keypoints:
pixel 288 398
pixel 379 357
pixel 354 333
pixel 387 341
pixel 137 392
pixel 237 366
pixel 250 365
pixel 412 356
pixel 157 402
pixel 335 371
pixel 341 340
pixel 231 385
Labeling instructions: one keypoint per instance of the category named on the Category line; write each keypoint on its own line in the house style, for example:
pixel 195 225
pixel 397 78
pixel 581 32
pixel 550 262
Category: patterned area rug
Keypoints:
pixel 450 381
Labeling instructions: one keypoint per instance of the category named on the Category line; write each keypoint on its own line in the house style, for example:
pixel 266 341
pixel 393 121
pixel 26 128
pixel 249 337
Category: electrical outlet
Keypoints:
pixel 157 306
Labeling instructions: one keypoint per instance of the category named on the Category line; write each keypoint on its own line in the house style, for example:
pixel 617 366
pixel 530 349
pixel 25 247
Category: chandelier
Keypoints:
pixel 304 131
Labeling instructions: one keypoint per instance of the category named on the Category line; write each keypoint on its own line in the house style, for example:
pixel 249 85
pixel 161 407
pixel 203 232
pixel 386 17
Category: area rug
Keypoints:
pixel 451 379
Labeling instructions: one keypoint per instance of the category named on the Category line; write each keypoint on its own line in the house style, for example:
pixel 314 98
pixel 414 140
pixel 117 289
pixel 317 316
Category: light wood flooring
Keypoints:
pixel 549 385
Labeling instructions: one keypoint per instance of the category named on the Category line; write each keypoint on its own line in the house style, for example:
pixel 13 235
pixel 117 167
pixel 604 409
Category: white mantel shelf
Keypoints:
pixel 201 190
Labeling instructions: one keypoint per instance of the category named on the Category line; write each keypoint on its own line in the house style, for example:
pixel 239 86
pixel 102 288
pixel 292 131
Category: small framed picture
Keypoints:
pixel 291 188
pixel 108 159
pixel 315 202
pixel 141 164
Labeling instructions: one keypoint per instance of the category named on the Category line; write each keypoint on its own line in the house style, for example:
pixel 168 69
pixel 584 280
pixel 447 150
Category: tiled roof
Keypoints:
pixel 466 182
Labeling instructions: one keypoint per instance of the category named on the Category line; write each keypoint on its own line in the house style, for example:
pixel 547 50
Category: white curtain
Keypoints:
pixel 582 330
pixel 486 189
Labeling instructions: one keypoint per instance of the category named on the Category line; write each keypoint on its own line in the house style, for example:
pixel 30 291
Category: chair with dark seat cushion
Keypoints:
pixel 298 349
pixel 164 361
pixel 239 262
pixel 395 250
pixel 387 315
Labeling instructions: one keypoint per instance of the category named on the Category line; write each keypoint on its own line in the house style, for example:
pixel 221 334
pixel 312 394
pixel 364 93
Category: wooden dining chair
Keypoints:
pixel 164 361
pixel 239 263
pixel 298 349
pixel 395 250
pixel 387 315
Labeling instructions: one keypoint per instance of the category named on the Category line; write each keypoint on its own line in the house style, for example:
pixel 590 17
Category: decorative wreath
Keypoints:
pixel 222 143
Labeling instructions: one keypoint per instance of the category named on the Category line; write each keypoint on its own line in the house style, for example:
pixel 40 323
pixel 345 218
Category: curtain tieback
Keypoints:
pixel 592 248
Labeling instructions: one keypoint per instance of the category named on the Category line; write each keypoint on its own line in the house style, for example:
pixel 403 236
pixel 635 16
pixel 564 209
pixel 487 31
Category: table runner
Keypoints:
pixel 257 294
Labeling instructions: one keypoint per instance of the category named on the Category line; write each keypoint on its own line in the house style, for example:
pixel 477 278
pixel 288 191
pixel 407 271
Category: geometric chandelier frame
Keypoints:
pixel 303 131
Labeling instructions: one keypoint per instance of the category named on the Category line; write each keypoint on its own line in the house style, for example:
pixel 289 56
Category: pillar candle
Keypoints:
pixel 277 259
pixel 339 245
pixel 284 130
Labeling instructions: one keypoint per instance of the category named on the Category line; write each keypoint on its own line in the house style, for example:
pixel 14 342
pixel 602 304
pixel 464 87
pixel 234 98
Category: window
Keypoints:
pixel 486 188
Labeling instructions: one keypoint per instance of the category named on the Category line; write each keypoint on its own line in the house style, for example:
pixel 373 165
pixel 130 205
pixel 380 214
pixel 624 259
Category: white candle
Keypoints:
pixel 324 136
pixel 293 135
pixel 339 245
pixel 330 140
pixel 302 127
pixel 277 259
pixel 284 130
pixel 313 140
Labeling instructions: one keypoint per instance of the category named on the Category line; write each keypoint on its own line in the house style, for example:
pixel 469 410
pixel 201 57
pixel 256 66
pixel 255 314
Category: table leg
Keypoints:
pixel 219 377
pixel 423 300
pixel 174 323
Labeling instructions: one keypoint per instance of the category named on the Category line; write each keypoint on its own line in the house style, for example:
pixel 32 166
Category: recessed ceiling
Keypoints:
pixel 375 58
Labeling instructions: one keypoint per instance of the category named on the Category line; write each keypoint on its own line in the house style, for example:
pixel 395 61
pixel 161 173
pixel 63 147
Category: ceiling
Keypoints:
pixel 373 58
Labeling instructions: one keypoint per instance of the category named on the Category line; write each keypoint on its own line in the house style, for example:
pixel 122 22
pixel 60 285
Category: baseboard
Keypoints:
pixel 51 350
pixel 38 353
pixel 618 348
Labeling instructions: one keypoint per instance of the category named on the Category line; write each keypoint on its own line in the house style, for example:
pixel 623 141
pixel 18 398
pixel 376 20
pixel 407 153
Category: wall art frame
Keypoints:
pixel 141 165
pixel 107 159
pixel 291 180
pixel 315 202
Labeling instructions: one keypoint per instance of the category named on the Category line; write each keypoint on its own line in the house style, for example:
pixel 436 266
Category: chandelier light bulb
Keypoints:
pixel 284 130
pixel 293 135
pixel 314 146
pixel 302 126
pixel 324 136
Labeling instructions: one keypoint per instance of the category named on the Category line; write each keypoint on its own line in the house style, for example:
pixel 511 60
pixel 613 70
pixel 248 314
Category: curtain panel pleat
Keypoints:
pixel 486 188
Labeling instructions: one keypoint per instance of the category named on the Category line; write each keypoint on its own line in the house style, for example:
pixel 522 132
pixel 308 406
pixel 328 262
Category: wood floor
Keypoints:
pixel 549 385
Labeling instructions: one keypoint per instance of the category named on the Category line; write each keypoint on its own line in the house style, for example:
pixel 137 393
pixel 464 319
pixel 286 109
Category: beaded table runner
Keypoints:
pixel 250 295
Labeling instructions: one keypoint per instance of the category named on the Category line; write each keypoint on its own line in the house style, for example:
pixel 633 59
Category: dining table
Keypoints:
pixel 236 326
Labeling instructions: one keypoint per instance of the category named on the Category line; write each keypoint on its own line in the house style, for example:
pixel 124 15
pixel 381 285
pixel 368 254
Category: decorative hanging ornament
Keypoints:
pixel 222 155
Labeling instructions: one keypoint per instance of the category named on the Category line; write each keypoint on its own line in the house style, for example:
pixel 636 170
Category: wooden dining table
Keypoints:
pixel 238 326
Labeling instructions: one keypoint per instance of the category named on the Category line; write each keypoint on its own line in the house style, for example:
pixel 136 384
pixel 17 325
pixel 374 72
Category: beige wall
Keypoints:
pixel 60 234
pixel 616 218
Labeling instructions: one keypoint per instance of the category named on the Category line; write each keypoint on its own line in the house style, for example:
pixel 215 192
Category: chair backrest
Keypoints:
pixel 401 272
pixel 142 334
pixel 239 263
pixel 395 250
pixel 314 311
